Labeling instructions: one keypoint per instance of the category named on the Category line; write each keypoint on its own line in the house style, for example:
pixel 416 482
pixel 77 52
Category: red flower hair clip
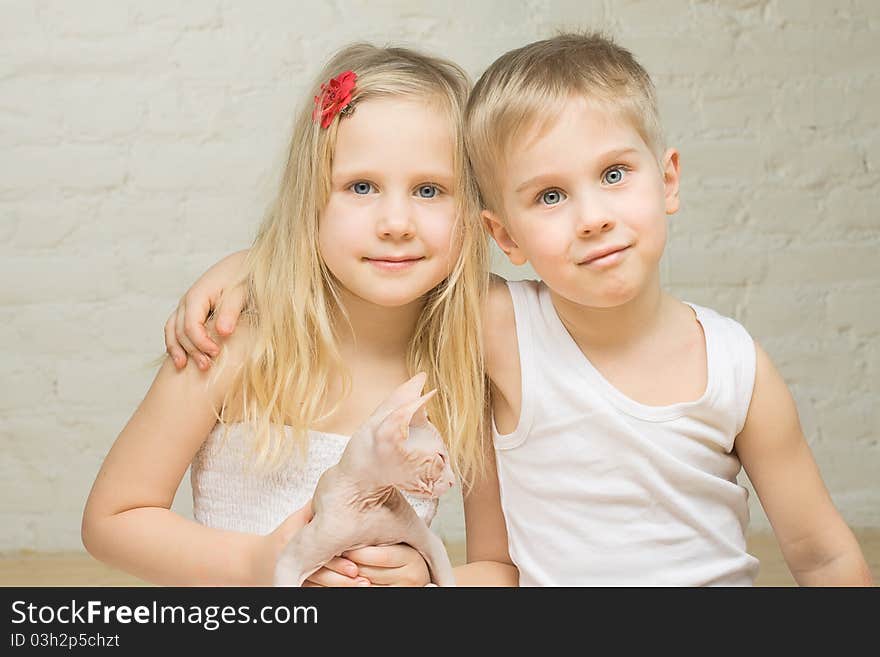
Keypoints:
pixel 334 98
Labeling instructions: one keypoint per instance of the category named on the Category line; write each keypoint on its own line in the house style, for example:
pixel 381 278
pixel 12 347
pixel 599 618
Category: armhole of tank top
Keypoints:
pixel 746 369
pixel 527 373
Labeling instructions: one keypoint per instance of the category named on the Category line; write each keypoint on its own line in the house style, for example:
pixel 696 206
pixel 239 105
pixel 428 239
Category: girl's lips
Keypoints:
pixel 392 265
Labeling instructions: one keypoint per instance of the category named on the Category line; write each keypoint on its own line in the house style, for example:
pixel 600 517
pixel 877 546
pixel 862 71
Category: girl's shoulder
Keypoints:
pixel 234 352
pixel 236 346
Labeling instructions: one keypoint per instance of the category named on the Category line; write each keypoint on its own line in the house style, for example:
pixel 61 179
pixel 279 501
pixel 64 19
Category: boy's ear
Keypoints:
pixel 671 177
pixel 503 238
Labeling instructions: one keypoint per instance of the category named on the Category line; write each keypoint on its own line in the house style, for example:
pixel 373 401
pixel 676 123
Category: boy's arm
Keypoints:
pixel 488 556
pixel 220 293
pixel 818 546
pixel 489 562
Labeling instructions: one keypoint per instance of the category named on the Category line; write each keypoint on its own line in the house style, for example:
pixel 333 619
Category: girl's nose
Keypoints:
pixel 395 220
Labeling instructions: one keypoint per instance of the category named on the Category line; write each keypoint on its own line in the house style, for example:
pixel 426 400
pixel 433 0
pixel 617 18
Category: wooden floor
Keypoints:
pixel 80 569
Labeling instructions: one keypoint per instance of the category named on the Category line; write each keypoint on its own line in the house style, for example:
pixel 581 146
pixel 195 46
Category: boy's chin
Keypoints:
pixel 600 300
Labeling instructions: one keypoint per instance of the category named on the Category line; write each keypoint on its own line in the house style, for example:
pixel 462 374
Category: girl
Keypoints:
pixel 369 267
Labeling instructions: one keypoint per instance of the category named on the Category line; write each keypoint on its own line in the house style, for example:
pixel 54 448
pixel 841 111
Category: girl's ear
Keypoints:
pixel 503 238
pixel 671 178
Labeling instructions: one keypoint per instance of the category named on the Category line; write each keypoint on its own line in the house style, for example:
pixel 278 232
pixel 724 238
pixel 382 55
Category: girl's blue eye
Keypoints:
pixel 362 188
pixel 428 191
pixel 552 197
pixel 613 175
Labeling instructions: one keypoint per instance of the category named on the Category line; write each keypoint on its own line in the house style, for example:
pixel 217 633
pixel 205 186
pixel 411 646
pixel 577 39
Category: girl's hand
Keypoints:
pixel 216 294
pixel 337 572
pixel 273 544
pixel 390 565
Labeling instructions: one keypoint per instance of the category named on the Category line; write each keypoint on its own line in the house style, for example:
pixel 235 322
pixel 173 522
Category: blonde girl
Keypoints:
pixel 369 266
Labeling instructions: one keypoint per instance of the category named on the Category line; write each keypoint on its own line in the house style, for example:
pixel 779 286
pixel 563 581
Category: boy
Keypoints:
pixel 621 415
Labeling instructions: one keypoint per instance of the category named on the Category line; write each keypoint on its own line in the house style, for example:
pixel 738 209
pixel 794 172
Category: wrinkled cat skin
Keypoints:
pixel 358 502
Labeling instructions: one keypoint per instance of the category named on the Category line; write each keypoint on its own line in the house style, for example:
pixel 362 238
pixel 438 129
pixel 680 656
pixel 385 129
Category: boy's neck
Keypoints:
pixel 377 330
pixel 617 326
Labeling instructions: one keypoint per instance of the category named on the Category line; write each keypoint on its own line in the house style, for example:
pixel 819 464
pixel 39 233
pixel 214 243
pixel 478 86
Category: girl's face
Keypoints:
pixel 387 233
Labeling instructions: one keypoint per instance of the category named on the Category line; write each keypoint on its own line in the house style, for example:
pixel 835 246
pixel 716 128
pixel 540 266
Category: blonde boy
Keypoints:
pixel 621 415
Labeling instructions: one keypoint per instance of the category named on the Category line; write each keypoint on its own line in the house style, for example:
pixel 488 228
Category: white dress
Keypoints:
pixel 230 493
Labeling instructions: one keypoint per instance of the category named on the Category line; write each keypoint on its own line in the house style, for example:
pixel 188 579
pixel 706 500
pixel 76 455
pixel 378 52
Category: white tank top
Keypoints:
pixel 228 493
pixel 600 490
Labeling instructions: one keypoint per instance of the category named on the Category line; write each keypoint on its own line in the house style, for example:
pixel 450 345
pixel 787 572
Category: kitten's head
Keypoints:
pixel 409 450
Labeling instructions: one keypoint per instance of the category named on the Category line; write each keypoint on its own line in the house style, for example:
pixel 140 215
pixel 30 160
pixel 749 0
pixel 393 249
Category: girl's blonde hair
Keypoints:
pixel 293 298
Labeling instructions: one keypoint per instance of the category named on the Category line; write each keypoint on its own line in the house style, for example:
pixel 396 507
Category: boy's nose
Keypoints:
pixel 593 223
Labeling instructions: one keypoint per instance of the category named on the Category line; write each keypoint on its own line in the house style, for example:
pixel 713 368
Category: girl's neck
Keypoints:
pixel 615 327
pixel 377 330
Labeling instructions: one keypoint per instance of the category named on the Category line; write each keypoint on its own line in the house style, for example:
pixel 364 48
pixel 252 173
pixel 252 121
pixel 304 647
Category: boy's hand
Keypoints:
pixel 390 565
pixel 216 294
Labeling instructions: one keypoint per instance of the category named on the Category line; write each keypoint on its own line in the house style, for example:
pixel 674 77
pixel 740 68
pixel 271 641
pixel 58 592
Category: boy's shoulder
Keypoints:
pixel 499 312
pixel 716 321
pixel 498 309
pixel 499 329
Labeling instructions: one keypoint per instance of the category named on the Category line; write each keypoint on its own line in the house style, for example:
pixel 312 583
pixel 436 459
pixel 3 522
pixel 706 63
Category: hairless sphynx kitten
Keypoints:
pixel 357 502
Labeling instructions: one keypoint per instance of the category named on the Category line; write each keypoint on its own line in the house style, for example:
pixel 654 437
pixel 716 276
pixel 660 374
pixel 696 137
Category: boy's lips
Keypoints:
pixel 605 257
pixel 394 263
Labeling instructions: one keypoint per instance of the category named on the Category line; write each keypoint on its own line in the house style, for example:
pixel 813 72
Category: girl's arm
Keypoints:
pixel 127 520
pixel 818 546
pixel 220 293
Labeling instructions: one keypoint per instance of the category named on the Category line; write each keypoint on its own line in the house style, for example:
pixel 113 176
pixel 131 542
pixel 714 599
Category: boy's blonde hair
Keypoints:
pixel 293 297
pixel 526 88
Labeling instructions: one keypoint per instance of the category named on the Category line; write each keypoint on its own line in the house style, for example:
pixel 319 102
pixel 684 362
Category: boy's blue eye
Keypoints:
pixel 552 197
pixel 361 188
pixel 613 175
pixel 428 191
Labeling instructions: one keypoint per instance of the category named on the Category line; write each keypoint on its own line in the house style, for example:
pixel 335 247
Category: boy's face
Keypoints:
pixel 585 204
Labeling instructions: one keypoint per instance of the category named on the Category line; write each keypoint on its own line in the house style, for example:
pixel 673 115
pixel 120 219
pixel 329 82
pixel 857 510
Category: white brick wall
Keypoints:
pixel 139 142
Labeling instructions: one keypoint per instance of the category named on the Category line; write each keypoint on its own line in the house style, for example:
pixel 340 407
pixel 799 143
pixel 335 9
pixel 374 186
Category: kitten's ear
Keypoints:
pixel 420 415
pixel 396 425
pixel 402 394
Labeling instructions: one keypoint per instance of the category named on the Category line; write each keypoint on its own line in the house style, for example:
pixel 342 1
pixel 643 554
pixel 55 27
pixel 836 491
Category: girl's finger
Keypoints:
pixel 404 576
pixel 342 566
pixel 385 556
pixel 327 577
